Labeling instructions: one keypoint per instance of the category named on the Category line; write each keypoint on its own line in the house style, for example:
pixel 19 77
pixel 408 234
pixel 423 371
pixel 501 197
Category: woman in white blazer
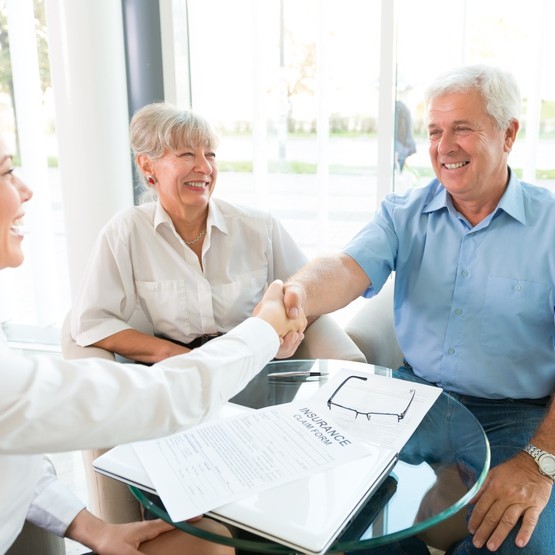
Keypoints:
pixel 48 404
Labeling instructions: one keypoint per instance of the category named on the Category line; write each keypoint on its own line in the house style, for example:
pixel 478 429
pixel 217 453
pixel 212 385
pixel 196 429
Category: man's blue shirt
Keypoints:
pixel 474 306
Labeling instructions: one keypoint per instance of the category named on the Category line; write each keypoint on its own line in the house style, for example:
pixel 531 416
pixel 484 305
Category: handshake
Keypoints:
pixel 285 315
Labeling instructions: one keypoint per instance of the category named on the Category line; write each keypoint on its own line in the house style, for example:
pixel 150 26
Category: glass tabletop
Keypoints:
pixel 439 469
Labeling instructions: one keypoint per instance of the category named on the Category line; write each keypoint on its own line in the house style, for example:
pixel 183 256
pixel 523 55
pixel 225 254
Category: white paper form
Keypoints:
pixel 216 463
pixel 389 409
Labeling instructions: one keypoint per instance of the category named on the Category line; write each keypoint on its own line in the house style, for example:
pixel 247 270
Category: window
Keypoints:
pixel 293 88
pixel 40 285
pixel 435 35
pixel 299 90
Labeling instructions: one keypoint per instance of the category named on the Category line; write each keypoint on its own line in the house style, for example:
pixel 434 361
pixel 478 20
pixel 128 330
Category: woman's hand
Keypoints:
pixel 114 539
pixel 272 309
pixel 290 344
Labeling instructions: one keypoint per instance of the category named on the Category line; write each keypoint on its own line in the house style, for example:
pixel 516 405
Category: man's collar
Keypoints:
pixel 438 198
pixel 511 202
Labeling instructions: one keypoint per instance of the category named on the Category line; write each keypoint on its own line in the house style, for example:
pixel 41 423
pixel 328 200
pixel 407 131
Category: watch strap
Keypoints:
pixel 536 453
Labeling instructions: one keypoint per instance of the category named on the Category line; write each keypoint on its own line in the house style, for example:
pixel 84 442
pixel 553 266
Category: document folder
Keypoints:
pixel 307 514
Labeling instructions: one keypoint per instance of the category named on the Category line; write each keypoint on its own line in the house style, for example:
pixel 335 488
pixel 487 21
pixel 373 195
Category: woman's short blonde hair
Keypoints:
pixel 161 127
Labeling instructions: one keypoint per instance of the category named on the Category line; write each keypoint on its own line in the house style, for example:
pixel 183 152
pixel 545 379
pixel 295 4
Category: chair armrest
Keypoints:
pixel 109 499
pixel 325 338
pixel 70 349
pixel 33 539
pixel 372 330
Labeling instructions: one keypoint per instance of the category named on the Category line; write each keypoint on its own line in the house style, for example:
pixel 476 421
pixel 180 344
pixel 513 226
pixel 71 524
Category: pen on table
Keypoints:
pixel 301 373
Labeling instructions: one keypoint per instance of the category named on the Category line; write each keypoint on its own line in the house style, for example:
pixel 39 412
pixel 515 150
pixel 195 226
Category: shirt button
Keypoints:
pixel 464 273
pixel 458 311
pixel 451 351
pixel 517 287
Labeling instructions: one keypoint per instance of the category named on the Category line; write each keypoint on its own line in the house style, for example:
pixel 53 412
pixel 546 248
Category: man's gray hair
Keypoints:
pixel 161 127
pixel 498 88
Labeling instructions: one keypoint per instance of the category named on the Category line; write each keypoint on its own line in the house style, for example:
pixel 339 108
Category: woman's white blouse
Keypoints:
pixel 141 274
pixel 48 404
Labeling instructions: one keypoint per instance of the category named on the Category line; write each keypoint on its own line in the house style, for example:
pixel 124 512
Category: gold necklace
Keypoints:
pixel 197 239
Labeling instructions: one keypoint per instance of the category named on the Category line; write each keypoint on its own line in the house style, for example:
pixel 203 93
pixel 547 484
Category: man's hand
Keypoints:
pixel 271 308
pixel 512 490
pixel 294 299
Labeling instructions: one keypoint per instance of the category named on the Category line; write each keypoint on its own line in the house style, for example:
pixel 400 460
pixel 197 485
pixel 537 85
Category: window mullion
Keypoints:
pixel 386 101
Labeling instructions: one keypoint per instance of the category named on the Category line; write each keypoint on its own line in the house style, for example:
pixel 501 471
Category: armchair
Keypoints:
pixel 371 329
pixel 37 541
pixel 33 539
pixel 111 500
pixel 108 499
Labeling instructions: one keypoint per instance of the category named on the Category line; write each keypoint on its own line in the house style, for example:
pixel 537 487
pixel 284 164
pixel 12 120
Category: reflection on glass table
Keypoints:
pixel 439 470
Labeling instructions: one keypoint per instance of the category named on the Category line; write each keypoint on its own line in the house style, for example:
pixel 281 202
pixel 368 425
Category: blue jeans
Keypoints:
pixel 509 425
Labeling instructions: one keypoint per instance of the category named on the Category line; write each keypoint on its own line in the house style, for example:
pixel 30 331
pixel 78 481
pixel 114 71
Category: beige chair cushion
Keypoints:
pixel 371 328
pixel 325 338
pixel 108 499
pixel 35 541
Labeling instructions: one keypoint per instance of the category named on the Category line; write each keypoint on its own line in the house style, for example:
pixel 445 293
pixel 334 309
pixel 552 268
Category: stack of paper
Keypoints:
pixel 295 473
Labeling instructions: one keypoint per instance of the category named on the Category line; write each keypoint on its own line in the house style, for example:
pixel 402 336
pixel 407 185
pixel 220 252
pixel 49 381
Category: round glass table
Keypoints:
pixel 439 470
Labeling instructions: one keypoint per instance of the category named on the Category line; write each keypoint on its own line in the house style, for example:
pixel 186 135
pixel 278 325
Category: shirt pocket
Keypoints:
pixel 234 301
pixel 165 304
pixel 515 316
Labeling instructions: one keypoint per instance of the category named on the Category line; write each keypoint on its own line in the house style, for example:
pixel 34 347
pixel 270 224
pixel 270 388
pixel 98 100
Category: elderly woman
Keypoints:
pixel 48 404
pixel 168 275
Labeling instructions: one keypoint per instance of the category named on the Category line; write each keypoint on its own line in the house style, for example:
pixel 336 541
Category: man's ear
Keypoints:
pixel 510 134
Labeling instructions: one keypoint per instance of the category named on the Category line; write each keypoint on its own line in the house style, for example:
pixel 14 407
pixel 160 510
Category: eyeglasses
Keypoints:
pixel 380 399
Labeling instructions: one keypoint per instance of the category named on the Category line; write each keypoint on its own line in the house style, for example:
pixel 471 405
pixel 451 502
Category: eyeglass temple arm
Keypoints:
pixel 330 400
pixel 402 415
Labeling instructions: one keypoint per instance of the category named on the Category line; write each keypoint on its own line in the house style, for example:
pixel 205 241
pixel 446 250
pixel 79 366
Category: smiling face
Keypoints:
pixel 13 193
pixel 184 179
pixel 467 150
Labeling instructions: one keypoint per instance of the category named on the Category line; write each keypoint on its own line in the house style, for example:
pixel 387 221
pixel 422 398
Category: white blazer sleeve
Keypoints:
pixel 48 404
pixel 54 506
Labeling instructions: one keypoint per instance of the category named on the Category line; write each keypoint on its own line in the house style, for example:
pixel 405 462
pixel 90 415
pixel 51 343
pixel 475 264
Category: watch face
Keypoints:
pixel 547 464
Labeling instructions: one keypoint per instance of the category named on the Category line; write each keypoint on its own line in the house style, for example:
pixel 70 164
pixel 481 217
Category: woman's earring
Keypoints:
pixel 151 180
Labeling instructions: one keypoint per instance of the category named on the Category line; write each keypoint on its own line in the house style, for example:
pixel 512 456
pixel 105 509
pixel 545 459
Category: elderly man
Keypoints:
pixel 474 258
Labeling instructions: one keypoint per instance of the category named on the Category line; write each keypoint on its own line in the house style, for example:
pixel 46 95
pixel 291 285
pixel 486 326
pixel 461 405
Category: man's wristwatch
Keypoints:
pixel 545 460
